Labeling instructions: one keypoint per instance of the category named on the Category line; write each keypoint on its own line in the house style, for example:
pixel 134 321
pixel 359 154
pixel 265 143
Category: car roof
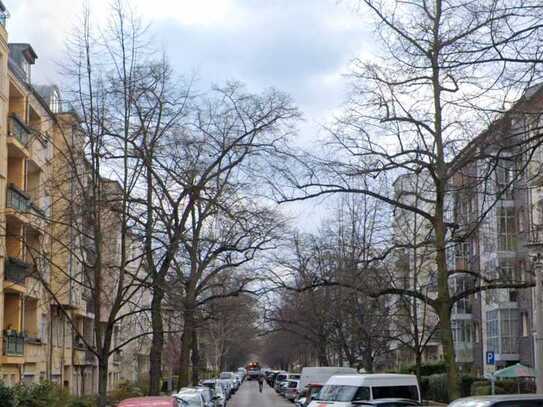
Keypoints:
pixel 501 397
pixel 373 379
pixel 148 402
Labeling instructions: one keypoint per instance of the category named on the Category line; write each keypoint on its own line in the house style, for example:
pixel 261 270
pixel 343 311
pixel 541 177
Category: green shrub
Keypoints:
pixel 7 397
pixel 82 402
pixel 436 388
pixel 41 395
pixel 466 383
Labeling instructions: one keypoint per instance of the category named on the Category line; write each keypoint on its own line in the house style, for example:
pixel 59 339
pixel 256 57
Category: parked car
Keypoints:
pixel 190 397
pixel 503 400
pixel 243 372
pixel 281 377
pixel 237 380
pixel 270 377
pixel 292 390
pixel 218 395
pixel 149 402
pixel 307 394
pixel 206 395
pixel 231 377
pixel 227 387
pixel 348 390
pixel 283 387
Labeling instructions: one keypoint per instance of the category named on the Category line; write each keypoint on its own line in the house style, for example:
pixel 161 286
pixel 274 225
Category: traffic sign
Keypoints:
pixel 490 358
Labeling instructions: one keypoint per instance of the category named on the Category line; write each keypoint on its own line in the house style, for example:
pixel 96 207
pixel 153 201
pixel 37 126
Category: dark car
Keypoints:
pixel 503 400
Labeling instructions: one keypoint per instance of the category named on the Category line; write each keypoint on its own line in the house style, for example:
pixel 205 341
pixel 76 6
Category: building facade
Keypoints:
pixel 47 311
pixel 495 203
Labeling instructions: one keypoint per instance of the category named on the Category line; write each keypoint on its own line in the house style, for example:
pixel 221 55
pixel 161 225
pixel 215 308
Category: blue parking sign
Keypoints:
pixel 490 358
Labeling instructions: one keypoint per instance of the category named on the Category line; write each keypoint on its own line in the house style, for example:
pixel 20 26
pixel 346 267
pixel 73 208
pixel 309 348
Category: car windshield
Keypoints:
pixel 292 385
pixel 294 376
pixel 337 393
pixel 400 392
pixel 225 375
pixel 281 377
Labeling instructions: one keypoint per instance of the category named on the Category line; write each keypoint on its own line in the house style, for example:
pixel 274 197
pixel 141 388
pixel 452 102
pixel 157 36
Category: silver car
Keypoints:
pixel 503 400
pixel 218 395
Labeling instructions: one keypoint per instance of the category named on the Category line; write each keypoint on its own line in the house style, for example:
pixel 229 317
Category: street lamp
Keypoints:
pixel 536 247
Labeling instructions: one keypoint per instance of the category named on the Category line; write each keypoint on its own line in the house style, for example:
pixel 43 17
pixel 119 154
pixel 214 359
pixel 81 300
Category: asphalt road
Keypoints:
pixel 249 396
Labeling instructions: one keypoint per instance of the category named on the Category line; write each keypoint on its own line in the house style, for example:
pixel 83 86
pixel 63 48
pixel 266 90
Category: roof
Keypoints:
pixel 372 379
pixel 25 49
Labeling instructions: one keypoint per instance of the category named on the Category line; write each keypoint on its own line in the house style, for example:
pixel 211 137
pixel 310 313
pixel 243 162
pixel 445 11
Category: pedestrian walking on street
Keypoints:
pixel 260 382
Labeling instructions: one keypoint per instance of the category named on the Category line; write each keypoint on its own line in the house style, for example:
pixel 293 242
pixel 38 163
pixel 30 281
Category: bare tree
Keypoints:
pixel 426 106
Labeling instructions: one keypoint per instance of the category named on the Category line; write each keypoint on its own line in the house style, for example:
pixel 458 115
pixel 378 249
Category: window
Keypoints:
pixel 524 317
pixel 503 329
pixel 506 228
pixel 363 393
pixel 461 284
pixel 54 102
pixel 492 331
pixel 504 178
pixel 462 331
pixel 463 252
pixel 476 337
pixel 338 393
pixel 403 392
pixel 521 220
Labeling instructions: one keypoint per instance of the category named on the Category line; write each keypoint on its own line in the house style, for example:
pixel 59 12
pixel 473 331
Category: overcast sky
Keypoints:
pixel 303 47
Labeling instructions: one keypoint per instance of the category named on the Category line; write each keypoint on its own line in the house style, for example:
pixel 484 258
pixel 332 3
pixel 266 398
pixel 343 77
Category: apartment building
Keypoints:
pixel 415 323
pixel 47 307
pixel 496 205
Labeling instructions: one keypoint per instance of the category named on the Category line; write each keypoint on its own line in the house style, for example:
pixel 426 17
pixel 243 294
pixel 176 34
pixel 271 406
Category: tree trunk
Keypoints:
pixel 102 381
pixel 453 379
pixel 418 364
pixel 322 356
pixel 155 355
pixel 195 359
pixel 443 309
pixel 186 344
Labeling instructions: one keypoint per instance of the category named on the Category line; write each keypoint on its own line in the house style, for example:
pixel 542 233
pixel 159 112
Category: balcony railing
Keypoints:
pixel 14 343
pixel 18 129
pixel 17 199
pixel 79 344
pixel 17 270
pixel 90 357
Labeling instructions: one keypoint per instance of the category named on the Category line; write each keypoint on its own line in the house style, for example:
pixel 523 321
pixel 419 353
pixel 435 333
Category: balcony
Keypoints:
pixel 90 357
pixel 17 199
pixel 17 270
pixel 18 130
pixel 14 343
pixel 117 357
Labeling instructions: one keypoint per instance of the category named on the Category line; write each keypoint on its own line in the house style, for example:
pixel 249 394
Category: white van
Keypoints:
pixel 346 390
pixel 321 374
